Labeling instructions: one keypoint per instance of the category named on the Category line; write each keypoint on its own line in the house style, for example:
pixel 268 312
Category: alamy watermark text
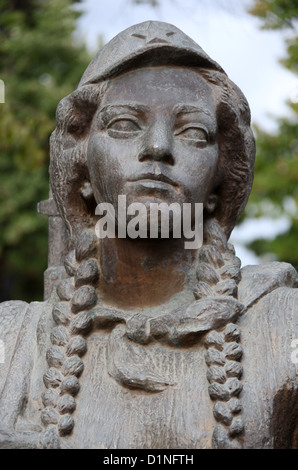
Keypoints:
pixel 158 221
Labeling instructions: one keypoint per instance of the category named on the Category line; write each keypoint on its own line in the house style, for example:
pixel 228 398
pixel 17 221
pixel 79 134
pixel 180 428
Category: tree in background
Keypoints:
pixel 40 62
pixel 275 189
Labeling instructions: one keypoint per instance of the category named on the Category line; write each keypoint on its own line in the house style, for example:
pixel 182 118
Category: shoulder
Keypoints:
pixel 269 294
pixel 23 329
pixel 14 309
pixel 259 281
pixel 18 319
pixel 12 316
pixel 19 330
pixel 19 325
pixel 269 330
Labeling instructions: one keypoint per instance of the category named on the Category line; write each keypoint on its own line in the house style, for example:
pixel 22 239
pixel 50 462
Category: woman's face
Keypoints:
pixel 154 138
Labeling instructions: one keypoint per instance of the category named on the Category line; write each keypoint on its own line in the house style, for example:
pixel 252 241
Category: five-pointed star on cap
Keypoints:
pixel 152 36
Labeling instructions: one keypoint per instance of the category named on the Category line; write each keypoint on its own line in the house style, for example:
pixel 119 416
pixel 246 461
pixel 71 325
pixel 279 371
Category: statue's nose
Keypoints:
pixel 158 144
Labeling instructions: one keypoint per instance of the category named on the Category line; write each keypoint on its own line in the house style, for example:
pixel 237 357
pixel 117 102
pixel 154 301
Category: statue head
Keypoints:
pixel 152 102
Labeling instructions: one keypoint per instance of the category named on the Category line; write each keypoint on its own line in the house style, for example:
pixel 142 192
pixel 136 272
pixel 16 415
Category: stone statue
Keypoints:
pixel 140 342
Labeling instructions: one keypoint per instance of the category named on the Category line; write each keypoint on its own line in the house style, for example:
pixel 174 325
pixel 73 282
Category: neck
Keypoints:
pixel 144 273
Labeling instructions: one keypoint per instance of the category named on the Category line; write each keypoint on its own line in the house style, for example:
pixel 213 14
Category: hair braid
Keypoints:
pixel 218 274
pixel 74 320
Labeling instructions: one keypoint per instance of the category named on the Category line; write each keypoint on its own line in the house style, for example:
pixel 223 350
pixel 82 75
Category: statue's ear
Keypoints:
pixel 211 203
pixel 74 115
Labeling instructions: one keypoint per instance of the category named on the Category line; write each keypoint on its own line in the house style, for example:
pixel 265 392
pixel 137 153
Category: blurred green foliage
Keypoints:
pixel 281 14
pixel 275 189
pixel 40 62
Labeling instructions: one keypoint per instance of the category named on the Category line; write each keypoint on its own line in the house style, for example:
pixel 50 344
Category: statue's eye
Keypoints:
pixel 123 126
pixel 193 133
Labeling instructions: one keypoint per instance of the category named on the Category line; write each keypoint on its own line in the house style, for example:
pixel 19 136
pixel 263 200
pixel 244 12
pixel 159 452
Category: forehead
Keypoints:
pixel 160 85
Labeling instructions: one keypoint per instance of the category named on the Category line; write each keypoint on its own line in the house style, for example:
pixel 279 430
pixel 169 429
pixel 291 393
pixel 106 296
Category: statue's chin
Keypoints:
pixel 146 226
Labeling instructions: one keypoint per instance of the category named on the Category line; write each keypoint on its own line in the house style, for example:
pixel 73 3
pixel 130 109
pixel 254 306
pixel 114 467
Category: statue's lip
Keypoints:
pixel 153 177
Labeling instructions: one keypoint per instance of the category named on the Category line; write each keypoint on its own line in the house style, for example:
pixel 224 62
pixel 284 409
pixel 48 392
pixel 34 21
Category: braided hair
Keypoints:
pixel 218 274
pixel 218 270
pixel 73 317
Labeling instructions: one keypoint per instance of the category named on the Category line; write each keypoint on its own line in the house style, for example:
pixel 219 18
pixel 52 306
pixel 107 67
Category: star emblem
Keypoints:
pixel 152 36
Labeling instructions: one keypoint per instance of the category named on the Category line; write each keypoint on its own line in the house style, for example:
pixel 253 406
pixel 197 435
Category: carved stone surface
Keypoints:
pixel 141 343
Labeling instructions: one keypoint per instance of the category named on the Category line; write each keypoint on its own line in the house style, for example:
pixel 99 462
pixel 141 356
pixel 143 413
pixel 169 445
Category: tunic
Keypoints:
pixel 180 414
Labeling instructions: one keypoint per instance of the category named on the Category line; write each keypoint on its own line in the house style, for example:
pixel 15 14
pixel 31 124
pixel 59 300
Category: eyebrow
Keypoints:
pixel 186 108
pixel 178 108
pixel 130 106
